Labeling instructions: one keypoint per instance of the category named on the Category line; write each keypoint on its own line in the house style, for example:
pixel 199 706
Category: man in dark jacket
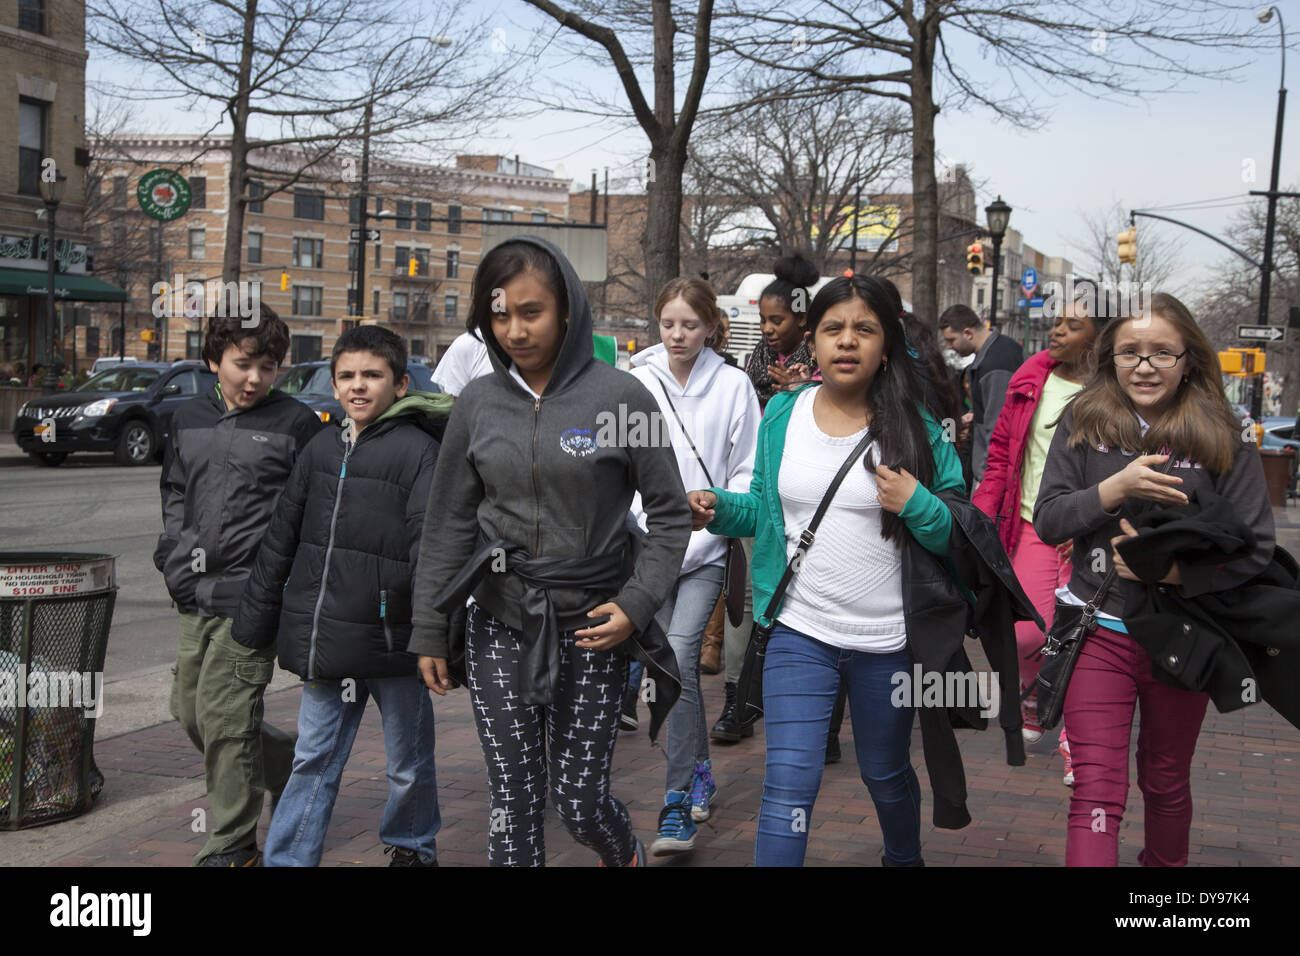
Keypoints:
pixel 996 360
pixel 228 456
pixel 333 582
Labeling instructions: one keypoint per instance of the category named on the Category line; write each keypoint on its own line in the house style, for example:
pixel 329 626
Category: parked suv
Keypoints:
pixel 310 383
pixel 126 410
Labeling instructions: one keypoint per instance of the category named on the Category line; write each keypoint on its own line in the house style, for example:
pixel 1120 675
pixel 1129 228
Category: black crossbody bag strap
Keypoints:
pixel 808 535
pixel 682 425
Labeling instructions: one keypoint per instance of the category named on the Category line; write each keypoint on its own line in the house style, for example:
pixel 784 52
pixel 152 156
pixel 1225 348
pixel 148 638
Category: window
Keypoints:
pixel 349 324
pixel 115 340
pixel 421 261
pixel 188 381
pixel 539 217
pixel 403 215
pixel 352 308
pixel 354 210
pixel 193 349
pixel 424 216
pixel 402 259
pixel 119 192
pixel 417 346
pixel 304 348
pixel 979 298
pixel 420 309
pixel 399 306
pixel 308 253
pixel 308 204
pixel 376 301
pixel 307 300
pixel 31 145
pixel 453 218
pixel 449 305
pixel 198 192
pixel 92 340
pixel 379 255
pixel 119 237
pixel 31 15
pixel 353 249
pixel 498 215
pixel 254 247
pixel 453 263
pixel 255 193
pixel 198 244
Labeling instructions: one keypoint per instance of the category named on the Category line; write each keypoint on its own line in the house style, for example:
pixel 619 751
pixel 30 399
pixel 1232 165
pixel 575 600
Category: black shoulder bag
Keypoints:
pixel 749 688
pixel 736 576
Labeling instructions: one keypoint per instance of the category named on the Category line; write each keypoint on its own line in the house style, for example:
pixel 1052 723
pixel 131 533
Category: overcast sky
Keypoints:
pixel 1172 148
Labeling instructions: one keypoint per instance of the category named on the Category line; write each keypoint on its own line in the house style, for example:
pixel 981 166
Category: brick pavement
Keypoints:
pixel 1245 784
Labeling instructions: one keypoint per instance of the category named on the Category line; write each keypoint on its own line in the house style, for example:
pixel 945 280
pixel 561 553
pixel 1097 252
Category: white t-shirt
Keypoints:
pixel 849 591
pixel 465 360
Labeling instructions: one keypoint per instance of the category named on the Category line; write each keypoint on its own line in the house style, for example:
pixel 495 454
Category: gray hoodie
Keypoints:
pixel 532 471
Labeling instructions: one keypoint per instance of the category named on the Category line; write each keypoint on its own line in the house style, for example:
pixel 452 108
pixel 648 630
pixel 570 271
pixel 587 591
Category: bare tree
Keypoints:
pixel 651 26
pixel 900 49
pixel 312 76
pixel 1157 251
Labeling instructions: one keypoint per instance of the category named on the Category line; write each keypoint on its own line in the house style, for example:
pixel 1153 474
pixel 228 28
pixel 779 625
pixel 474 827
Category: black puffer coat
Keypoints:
pixel 332 580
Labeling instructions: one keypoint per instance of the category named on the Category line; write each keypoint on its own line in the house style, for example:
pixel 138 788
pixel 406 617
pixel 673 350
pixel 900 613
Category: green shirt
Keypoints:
pixel 1057 392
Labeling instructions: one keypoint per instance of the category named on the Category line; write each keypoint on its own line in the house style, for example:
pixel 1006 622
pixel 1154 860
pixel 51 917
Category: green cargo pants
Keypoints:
pixel 217 697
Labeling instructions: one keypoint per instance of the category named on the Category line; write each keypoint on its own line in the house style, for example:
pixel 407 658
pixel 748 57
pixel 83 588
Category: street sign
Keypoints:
pixel 163 194
pixel 1029 280
pixel 1261 333
pixel 372 235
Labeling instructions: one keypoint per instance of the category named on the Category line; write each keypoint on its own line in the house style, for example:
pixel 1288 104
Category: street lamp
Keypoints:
pixel 1264 16
pixel 364 213
pixel 998 214
pixel 52 194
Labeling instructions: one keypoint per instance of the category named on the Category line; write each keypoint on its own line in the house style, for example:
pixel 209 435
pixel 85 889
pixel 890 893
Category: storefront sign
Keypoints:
pixel 163 194
pixel 28 252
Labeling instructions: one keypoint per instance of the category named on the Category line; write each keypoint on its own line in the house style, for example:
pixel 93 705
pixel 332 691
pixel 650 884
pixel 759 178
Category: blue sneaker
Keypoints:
pixel 703 788
pixel 676 828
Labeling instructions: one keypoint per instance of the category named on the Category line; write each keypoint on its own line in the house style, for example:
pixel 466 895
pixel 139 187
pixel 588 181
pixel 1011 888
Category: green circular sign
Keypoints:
pixel 163 194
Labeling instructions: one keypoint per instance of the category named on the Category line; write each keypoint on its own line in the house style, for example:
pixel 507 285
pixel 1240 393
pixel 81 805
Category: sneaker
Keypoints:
pixel 728 729
pixel 627 719
pixel 1064 747
pixel 832 749
pixel 245 856
pixel 676 828
pixel 638 859
pixel 703 789
pixel 1030 730
pixel 1031 734
pixel 405 857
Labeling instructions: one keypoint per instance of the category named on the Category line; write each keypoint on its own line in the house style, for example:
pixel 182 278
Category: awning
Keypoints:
pixel 67 287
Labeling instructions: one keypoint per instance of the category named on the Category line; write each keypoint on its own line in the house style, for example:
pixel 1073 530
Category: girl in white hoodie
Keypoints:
pixel 711 412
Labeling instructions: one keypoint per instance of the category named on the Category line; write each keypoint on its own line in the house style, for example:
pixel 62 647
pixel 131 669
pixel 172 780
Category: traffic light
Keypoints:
pixel 1230 363
pixel 1128 246
pixel 149 335
pixel 975 258
pixel 631 345
pixel 284 282
pixel 413 266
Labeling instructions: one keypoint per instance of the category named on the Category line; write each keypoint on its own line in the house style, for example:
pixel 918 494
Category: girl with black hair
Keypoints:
pixel 782 358
pixel 528 511
pixel 844 614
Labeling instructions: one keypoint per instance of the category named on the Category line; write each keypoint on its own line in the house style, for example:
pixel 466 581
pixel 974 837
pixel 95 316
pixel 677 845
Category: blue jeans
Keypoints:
pixel 683 617
pixel 801 679
pixel 327 725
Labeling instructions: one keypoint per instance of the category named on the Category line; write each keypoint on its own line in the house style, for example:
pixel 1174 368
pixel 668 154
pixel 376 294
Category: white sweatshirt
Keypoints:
pixel 720 410
pixel 465 360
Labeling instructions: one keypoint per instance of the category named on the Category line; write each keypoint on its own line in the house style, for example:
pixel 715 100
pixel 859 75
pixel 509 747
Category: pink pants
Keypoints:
pixel 1041 569
pixel 1113 673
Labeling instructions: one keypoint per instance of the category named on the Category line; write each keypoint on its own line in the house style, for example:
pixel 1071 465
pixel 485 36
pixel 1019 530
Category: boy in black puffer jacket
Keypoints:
pixel 332 585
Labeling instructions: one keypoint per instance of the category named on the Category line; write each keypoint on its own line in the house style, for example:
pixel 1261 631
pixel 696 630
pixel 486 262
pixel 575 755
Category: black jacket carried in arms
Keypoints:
pixel 1238 645
pixel 332 584
pixel 222 473
pixel 940 612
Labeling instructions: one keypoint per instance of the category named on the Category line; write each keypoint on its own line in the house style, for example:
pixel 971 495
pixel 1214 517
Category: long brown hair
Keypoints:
pixel 701 298
pixel 1198 424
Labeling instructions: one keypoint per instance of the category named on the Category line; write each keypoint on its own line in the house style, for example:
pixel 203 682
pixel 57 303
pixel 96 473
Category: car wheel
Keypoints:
pixel 136 444
pixel 51 458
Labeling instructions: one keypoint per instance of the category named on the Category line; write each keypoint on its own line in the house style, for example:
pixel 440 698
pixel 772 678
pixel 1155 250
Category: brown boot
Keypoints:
pixel 711 648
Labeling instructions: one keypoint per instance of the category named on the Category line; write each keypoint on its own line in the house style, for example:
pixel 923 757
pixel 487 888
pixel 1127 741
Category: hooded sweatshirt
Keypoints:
pixel 719 408
pixel 542 474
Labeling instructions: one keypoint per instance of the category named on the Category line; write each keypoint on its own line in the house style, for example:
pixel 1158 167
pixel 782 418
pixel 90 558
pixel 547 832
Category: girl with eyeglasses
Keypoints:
pixel 1157 393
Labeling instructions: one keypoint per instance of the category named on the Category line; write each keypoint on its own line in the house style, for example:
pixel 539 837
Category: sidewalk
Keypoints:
pixel 1245 783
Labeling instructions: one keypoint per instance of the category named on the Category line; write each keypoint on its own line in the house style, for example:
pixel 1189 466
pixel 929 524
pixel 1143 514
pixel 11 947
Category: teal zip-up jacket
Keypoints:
pixel 758 513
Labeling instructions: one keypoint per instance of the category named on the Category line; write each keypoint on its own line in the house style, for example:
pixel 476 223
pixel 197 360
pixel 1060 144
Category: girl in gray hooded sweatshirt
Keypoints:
pixel 532 492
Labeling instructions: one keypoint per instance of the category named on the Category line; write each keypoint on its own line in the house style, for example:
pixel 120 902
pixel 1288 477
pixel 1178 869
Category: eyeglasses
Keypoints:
pixel 1159 360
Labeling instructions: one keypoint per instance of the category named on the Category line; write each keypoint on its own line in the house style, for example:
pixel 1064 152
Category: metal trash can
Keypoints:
pixel 1279 466
pixel 55 613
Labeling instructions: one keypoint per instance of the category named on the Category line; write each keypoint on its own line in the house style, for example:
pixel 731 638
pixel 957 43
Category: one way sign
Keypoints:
pixel 1258 333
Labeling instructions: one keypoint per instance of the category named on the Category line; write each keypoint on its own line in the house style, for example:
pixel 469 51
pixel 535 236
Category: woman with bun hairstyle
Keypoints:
pixel 782 358
pixel 1157 395
pixel 1037 395
pixel 843 617
pixel 712 416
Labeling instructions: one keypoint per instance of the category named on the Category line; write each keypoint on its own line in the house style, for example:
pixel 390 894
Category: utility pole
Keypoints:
pixel 364 213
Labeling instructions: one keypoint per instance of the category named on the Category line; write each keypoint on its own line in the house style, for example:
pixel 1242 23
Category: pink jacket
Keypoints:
pixel 998 495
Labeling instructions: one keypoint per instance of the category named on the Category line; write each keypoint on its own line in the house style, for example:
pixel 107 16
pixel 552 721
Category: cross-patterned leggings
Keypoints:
pixel 571 761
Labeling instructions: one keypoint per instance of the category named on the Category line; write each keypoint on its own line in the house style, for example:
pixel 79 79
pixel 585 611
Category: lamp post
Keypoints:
pixel 1264 16
pixel 997 215
pixel 52 193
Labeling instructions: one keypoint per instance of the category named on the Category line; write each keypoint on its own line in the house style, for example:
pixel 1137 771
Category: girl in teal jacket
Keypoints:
pixel 843 616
